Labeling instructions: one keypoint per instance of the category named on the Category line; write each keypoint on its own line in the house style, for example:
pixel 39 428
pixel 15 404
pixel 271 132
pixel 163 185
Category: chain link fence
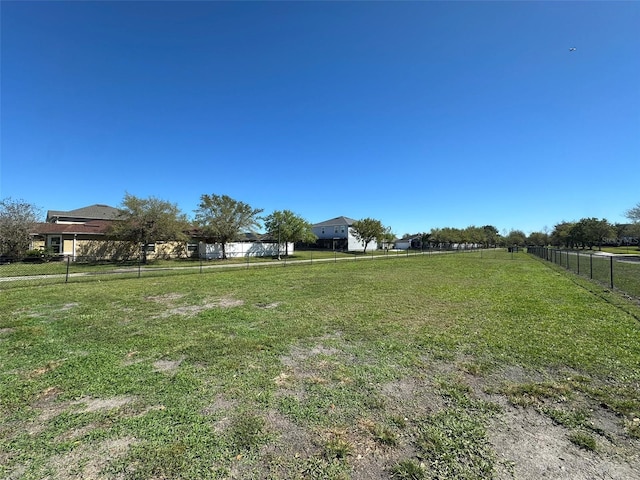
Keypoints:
pixel 619 272
pixel 49 270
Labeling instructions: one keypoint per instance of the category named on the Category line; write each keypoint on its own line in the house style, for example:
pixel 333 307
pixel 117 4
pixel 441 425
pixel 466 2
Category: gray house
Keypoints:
pixel 336 234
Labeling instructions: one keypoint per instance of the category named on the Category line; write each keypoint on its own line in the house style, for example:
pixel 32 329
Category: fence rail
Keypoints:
pixel 619 272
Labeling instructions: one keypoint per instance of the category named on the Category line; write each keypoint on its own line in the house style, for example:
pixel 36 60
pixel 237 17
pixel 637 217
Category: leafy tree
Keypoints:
pixel 562 235
pixel 516 237
pixel 287 227
pixel 578 235
pixel 539 239
pixel 425 238
pixel 144 221
pixel 595 231
pixel 366 230
pixel 222 219
pixel 474 235
pixel 491 235
pixel 17 219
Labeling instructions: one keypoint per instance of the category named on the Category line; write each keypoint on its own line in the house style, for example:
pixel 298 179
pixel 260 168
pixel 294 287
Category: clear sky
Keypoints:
pixel 420 114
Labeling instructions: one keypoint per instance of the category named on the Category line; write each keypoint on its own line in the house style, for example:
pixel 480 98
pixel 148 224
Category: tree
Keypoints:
pixel 491 235
pixel 366 230
pixel 17 219
pixel 474 236
pixel 539 239
pixel 633 214
pixel 516 237
pixel 145 221
pixel 596 230
pixel 222 218
pixel 287 227
pixel 561 236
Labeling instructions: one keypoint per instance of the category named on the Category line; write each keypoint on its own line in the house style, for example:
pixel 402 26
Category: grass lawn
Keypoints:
pixel 631 249
pixel 443 366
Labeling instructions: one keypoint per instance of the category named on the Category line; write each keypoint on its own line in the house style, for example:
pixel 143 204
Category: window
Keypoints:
pixel 151 247
pixel 54 244
pixel 336 229
pixel 322 231
pixel 192 247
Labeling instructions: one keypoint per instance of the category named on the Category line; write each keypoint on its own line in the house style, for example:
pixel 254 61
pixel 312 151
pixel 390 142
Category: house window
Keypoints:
pixel 192 247
pixel 342 229
pixel 322 231
pixel 151 247
pixel 336 229
pixel 55 243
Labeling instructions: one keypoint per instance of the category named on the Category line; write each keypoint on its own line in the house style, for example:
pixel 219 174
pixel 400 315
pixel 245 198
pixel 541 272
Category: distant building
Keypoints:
pixel 337 234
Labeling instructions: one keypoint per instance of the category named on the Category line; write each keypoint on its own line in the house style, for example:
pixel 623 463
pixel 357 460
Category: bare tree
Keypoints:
pixel 633 214
pixel 17 219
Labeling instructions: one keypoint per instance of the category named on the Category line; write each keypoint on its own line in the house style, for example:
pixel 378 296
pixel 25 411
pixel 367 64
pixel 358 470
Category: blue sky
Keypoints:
pixel 420 114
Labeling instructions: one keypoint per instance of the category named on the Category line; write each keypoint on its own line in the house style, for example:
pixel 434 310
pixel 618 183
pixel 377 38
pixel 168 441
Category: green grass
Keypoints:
pixel 303 372
pixel 623 250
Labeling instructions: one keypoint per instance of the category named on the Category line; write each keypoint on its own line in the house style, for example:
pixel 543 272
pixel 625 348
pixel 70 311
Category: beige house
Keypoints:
pixel 71 233
pixel 83 232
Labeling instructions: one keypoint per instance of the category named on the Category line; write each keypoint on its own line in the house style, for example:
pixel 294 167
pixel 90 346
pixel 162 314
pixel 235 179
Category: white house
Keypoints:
pixel 410 241
pixel 337 234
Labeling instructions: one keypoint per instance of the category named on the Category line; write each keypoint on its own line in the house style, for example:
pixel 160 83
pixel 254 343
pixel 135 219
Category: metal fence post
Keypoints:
pixel 66 280
pixel 611 269
pixel 578 262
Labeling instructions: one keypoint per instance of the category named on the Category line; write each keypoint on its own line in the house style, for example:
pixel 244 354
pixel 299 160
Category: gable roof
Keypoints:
pixel 336 221
pixel 94 227
pixel 92 212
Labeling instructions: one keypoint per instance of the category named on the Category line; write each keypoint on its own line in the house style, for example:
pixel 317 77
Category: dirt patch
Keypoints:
pixel 193 310
pixel 167 366
pixel 227 302
pixel 530 446
pixel 222 408
pixel 268 306
pixel 98 404
pixel 165 299
pixel 528 443
pixel 68 306
pixel 87 462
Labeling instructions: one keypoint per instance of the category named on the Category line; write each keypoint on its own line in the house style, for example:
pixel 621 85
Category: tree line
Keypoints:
pixel 142 222
pixel 222 219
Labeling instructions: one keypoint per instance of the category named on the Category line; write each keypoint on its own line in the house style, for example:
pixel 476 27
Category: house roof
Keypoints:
pixel 406 238
pixel 92 212
pixel 336 221
pixel 93 227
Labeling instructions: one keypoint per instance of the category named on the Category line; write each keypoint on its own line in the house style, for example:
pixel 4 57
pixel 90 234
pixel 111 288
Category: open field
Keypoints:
pixel 443 366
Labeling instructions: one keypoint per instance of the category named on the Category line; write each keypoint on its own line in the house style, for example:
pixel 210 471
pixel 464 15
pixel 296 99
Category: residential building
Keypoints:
pixel 337 234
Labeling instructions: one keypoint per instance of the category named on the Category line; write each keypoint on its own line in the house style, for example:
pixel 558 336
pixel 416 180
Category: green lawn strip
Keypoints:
pixel 196 373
